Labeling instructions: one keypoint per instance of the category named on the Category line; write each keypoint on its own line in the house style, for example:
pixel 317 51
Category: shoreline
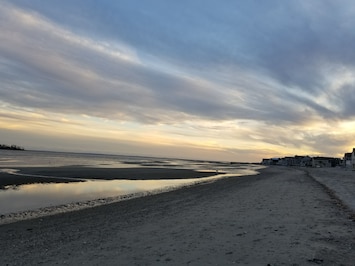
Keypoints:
pixel 281 216
pixel 64 174
pixel 339 183
pixel 11 179
pixel 35 213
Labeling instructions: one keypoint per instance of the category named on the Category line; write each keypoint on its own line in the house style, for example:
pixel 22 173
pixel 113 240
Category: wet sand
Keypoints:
pixel 30 175
pixel 281 217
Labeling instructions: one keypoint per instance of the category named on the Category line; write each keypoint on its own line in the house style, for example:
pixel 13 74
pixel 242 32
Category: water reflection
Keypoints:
pixel 35 200
pixel 34 196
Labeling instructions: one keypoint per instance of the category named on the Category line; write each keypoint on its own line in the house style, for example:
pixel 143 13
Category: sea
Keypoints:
pixel 37 200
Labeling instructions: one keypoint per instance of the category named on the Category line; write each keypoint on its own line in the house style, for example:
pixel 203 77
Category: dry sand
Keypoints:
pixel 280 217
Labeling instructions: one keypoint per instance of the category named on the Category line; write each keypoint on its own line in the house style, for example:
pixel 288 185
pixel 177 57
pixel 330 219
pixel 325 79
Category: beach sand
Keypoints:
pixel 340 182
pixel 281 217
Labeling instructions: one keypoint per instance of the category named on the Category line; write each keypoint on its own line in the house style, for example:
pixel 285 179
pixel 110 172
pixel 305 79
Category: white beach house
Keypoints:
pixel 348 160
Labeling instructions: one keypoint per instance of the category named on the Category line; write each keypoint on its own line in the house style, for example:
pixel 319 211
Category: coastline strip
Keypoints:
pixel 281 216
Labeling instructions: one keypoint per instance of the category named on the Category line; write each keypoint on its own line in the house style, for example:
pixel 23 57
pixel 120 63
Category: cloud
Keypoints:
pixel 200 65
pixel 59 71
pixel 345 96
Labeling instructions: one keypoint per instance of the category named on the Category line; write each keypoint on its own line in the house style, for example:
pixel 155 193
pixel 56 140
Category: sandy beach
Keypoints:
pixel 282 216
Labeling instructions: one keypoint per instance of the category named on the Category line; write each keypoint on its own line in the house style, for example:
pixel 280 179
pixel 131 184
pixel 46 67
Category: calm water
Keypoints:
pixel 33 200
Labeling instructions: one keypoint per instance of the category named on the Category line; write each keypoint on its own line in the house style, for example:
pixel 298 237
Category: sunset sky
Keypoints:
pixel 202 79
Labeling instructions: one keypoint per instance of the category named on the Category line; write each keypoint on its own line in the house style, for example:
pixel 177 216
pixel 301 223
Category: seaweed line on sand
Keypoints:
pixel 334 197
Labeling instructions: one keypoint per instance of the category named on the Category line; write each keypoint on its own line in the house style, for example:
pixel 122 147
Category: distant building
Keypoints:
pixel 272 161
pixel 325 162
pixel 306 161
pixel 353 159
pixel 347 160
pixel 287 161
pixel 265 162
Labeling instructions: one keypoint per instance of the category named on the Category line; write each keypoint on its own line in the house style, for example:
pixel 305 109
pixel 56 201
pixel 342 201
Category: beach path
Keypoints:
pixel 280 217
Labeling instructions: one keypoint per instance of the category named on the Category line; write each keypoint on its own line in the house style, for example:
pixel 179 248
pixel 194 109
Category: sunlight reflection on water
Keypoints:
pixel 35 200
pixel 33 196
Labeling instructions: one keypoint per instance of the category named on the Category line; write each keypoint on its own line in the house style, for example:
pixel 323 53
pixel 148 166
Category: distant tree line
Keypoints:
pixel 12 147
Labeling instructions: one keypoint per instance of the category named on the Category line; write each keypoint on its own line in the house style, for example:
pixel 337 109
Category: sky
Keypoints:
pixel 197 79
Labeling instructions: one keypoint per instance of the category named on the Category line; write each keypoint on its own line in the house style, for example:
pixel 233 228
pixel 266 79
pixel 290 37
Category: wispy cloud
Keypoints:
pixel 191 67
